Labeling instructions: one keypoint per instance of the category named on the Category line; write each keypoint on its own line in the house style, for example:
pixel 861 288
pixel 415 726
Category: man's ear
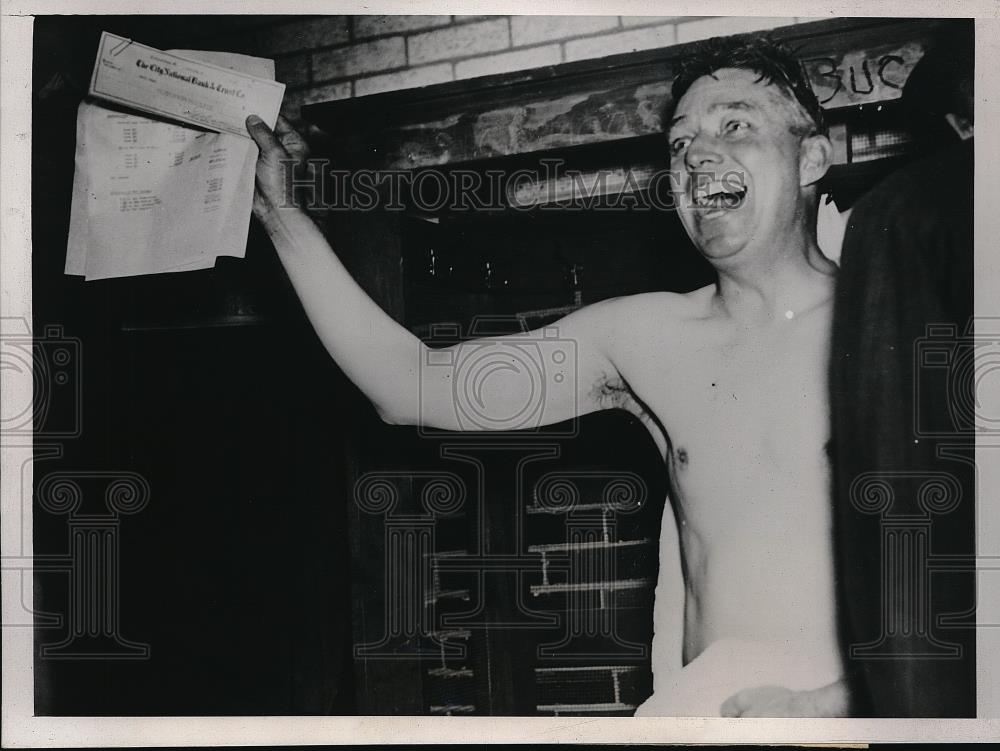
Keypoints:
pixel 815 158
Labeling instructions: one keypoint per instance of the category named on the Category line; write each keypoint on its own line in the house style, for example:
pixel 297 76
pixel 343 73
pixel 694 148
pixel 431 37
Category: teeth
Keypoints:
pixel 707 189
pixel 706 193
pixel 719 200
pixel 718 195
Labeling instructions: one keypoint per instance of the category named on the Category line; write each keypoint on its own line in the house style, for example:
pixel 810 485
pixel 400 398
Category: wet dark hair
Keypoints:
pixel 774 62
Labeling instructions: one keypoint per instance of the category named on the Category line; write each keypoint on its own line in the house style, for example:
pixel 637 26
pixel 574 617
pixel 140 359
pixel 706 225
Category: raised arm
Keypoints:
pixel 499 383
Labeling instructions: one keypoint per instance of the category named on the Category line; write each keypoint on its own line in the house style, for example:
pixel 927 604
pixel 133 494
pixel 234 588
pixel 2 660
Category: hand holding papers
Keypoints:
pixel 278 148
pixel 151 196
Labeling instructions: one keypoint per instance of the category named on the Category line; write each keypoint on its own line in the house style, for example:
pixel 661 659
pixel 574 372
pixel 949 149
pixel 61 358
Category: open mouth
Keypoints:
pixel 718 195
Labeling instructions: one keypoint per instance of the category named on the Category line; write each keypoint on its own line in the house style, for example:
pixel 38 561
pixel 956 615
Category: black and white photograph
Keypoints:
pixel 546 366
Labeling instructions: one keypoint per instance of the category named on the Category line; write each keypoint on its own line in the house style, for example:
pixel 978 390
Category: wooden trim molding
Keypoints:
pixel 849 61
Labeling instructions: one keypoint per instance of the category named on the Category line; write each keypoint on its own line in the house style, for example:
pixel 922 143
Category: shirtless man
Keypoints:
pixel 735 373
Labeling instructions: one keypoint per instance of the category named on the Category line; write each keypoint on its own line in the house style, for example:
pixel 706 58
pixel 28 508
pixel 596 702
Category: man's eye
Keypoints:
pixel 678 145
pixel 735 126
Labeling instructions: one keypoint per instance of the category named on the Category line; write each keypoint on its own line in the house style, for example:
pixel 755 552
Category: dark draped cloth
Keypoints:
pixel 903 477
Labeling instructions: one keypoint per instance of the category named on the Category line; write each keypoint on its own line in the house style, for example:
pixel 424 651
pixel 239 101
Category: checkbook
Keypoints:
pixel 181 88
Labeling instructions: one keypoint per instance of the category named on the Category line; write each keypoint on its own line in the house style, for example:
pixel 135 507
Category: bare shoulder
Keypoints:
pixel 633 333
pixel 665 307
pixel 617 316
pixel 627 335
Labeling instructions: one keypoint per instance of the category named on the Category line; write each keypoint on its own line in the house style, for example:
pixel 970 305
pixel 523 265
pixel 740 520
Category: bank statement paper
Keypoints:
pixel 154 195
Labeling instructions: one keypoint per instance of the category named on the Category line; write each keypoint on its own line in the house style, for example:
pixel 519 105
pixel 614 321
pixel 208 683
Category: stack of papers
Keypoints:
pixel 164 165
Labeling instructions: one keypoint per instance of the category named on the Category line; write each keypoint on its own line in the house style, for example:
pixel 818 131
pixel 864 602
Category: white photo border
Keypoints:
pixel 22 729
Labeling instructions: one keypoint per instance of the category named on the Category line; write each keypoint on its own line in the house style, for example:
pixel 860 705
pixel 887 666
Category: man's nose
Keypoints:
pixel 702 152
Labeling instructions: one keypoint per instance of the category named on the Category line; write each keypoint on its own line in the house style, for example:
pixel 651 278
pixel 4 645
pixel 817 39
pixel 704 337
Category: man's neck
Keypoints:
pixel 787 285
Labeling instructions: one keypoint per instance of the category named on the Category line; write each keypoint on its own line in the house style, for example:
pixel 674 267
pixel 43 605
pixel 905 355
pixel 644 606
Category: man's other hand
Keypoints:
pixel 283 153
pixel 775 701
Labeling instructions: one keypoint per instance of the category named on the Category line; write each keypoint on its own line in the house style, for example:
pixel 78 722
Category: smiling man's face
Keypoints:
pixel 734 143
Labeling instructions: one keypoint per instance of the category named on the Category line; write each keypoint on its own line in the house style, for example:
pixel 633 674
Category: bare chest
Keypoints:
pixel 747 421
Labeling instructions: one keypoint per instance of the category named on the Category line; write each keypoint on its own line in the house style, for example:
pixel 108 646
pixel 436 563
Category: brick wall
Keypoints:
pixel 335 57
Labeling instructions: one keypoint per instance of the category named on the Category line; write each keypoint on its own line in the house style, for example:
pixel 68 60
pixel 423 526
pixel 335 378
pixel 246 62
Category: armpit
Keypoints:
pixel 612 392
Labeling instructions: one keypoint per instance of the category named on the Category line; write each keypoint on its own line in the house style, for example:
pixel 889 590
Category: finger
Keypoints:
pixel 287 133
pixel 761 704
pixel 259 204
pixel 734 706
pixel 262 135
pixel 283 127
pixel 290 137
